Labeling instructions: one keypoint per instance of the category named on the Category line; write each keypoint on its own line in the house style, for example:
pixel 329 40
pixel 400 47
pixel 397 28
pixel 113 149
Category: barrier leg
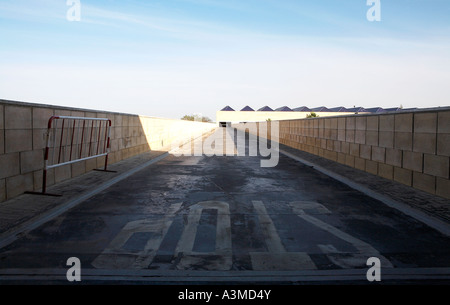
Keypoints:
pixel 44 187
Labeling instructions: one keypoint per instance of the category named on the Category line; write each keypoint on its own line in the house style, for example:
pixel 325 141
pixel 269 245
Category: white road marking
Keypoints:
pixel 277 258
pixel 356 259
pixel 270 233
pixel 114 256
pixel 221 258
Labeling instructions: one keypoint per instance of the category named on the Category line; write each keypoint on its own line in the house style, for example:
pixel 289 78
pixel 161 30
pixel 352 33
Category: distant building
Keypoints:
pixel 247 114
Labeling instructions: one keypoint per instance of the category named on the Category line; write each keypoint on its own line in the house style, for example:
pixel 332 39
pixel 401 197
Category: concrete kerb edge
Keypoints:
pixel 429 220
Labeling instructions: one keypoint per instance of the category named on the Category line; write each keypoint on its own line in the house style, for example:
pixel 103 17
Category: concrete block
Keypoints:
pixel 436 165
pixel 323 143
pixel 350 123
pixel 372 167
pixel 331 155
pixel 315 133
pixel 126 119
pixel 37 180
pixel 424 182
pixel 334 123
pixel 337 146
pixel 136 121
pixel 330 145
pixel 372 123
pixel 17 117
pixel 9 165
pixel 114 145
pixel 354 149
pixel 386 139
pixel 39 138
pixel 2 190
pixel 341 158
pixel 403 176
pixel 41 117
pixel 394 157
pixel 316 123
pixel 118 120
pixel 345 148
pixel 327 123
pixel 314 151
pixel 341 135
pixel 386 171
pixel 327 133
pixel 350 160
pixel 2 114
pixel 424 142
pixel 321 133
pixel 62 112
pixel 360 136
pixel 360 163
pixel 341 123
pixel 403 140
pixel 372 138
pixel 101 162
pixel 135 131
pixel 78 169
pixel 404 122
pixel 425 122
pixel 18 185
pixel 126 132
pixel 2 141
pixel 102 115
pixel 63 173
pixel 31 161
pixel 442 187
pixel 443 144
pixel 118 156
pixel 365 152
pixel 386 122
pixel 361 123
pixel 350 136
pixel 18 140
pixel 317 142
pixel 321 152
pixel 413 161
pixel 378 154
pixel 443 122
pixel 80 114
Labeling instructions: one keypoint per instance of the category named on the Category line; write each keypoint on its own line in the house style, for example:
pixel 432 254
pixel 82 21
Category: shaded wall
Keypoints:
pixel 412 148
pixel 23 128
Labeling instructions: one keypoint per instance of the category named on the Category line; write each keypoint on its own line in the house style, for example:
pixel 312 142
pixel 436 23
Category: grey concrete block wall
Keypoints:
pixel 23 128
pixel 412 148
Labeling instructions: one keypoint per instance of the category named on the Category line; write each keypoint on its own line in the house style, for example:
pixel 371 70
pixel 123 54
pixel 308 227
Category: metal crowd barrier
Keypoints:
pixel 75 139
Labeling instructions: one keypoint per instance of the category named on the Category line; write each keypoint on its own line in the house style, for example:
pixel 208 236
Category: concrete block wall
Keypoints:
pixel 412 148
pixel 23 128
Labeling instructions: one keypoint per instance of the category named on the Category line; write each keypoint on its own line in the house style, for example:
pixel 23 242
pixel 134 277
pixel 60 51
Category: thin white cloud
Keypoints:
pixel 43 10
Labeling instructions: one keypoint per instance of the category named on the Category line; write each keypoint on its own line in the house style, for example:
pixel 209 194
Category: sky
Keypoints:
pixel 169 58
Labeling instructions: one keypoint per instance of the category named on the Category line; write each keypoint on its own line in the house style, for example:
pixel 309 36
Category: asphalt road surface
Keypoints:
pixel 189 218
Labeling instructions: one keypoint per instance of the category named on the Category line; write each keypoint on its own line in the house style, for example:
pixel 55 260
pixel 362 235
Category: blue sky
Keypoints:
pixel 168 58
